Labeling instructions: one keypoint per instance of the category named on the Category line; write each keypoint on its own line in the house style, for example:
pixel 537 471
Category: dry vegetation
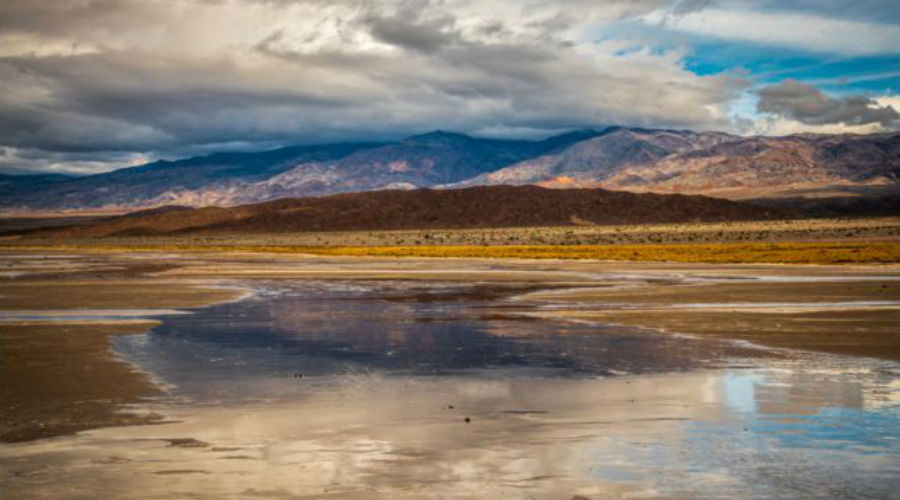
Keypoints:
pixel 794 253
pixel 696 232
pixel 819 241
pixel 788 253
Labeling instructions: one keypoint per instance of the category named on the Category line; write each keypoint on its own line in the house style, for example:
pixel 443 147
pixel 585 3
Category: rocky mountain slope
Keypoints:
pixel 420 161
pixel 639 160
pixel 10 184
pixel 714 163
pixel 233 178
pixel 153 184
pixel 752 166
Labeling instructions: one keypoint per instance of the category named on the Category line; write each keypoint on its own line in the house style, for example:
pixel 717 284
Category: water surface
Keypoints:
pixel 322 328
pixel 412 390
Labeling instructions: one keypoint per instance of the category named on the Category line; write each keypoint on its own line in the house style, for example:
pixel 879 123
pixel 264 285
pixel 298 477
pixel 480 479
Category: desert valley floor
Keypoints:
pixel 449 249
pixel 247 374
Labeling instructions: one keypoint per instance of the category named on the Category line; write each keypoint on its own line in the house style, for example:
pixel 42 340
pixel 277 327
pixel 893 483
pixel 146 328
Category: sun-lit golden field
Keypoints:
pixel 794 253
pixel 788 253
pixel 806 241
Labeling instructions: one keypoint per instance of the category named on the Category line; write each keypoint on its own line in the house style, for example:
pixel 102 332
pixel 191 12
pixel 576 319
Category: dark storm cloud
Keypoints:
pixel 320 73
pixel 116 79
pixel 807 104
pixel 114 102
pixel 421 35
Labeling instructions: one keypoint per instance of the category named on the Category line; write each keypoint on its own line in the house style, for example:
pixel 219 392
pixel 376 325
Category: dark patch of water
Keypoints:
pixel 325 328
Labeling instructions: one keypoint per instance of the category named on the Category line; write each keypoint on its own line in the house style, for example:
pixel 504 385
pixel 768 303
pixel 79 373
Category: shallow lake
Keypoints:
pixel 404 389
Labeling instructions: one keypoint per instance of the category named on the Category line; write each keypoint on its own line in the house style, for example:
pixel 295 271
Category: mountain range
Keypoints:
pixel 617 158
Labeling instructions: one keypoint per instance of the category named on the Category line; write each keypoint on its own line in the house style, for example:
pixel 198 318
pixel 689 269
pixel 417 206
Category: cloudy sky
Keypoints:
pixel 91 85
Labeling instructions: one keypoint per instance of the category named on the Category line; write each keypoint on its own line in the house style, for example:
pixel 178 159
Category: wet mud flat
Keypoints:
pixel 58 372
pixel 60 379
pixel 849 315
pixel 349 378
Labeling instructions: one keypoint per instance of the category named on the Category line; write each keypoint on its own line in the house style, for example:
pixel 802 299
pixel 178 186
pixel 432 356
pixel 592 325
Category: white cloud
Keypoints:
pixel 767 124
pixel 20 160
pixel 776 125
pixel 747 119
pixel 26 44
pixel 790 29
pixel 888 100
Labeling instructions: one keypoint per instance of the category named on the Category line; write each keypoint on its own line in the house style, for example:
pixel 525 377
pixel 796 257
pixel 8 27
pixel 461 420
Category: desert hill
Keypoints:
pixel 476 207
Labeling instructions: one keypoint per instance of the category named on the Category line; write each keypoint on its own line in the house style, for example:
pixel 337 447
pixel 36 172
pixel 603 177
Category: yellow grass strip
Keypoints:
pixel 862 252
pixel 797 253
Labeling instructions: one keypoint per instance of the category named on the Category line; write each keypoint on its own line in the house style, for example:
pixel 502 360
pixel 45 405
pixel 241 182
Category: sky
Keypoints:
pixel 92 85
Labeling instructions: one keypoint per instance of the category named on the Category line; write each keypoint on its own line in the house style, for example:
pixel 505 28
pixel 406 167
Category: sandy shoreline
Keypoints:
pixel 59 374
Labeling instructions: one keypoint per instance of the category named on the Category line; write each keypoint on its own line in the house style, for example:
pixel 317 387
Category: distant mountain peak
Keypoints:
pixel 585 133
pixel 641 130
pixel 437 136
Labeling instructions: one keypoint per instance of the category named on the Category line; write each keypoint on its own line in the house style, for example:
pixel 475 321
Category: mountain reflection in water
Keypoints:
pixel 325 328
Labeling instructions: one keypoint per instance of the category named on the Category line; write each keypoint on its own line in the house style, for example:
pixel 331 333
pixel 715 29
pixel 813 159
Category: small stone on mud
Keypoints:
pixel 187 443
pixel 111 460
